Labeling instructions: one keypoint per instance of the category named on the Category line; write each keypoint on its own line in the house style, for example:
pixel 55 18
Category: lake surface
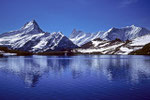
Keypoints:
pixel 93 77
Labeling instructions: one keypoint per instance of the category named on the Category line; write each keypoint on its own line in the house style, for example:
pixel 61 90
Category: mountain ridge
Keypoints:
pixel 32 38
pixel 124 33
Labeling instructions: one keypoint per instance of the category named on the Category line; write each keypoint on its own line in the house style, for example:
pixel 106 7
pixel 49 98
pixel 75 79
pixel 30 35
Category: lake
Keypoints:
pixel 89 77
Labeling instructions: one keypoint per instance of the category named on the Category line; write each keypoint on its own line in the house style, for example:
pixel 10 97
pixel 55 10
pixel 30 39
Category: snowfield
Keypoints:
pixel 117 47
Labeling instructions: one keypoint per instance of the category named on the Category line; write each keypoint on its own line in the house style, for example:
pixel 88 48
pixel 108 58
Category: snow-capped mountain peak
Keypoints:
pixel 131 26
pixel 74 30
pixel 29 24
pixel 76 33
pixel 79 37
pixel 125 33
pixel 31 38
pixel 32 26
pixel 57 34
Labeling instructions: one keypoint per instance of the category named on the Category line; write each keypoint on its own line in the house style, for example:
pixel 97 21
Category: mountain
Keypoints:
pixel 79 37
pixel 33 39
pixel 126 33
pixel 116 46
pixel 29 28
pixel 100 46
pixel 144 51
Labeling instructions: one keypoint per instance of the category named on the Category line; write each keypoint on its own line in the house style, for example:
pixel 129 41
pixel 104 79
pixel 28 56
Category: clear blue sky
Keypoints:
pixel 65 15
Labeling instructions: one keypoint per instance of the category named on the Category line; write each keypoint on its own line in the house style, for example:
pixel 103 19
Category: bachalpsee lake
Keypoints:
pixel 89 77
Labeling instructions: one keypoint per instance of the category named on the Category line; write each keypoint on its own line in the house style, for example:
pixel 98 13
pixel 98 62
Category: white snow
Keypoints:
pixel 102 50
pixel 129 32
pixel 82 37
pixel 55 38
pixel 25 39
pixel 43 41
pixel 125 50
pixel 88 50
pixel 28 25
pixel 96 43
pixel 56 42
pixel 9 54
pixel 140 41
pixel 41 44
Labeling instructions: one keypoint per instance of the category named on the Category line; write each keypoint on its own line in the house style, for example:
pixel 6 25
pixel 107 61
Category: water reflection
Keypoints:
pixel 30 69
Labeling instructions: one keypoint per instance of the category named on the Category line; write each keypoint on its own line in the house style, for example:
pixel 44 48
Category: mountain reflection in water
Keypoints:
pixel 112 67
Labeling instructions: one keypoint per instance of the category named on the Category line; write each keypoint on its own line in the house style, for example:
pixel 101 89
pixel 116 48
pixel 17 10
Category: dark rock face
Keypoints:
pixel 144 51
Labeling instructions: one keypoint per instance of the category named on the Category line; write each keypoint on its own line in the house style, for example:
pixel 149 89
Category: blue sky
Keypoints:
pixel 65 15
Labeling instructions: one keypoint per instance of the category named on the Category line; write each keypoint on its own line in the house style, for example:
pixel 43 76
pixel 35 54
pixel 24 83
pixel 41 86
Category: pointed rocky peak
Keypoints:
pixel 32 25
pixel 76 33
pixel 57 34
pixel 60 33
pixel 74 30
pixel 136 28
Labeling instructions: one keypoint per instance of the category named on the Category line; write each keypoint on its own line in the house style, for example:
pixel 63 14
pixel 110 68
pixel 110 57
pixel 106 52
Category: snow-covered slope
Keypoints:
pixel 101 46
pixel 115 46
pixel 79 37
pixel 29 28
pixel 31 38
pixel 55 41
pixel 141 41
pixel 126 33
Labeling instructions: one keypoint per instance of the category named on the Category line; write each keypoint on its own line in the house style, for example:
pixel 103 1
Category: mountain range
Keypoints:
pixel 31 38
pixel 125 33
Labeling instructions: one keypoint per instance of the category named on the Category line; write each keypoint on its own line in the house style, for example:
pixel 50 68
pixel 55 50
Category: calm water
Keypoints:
pixel 75 78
